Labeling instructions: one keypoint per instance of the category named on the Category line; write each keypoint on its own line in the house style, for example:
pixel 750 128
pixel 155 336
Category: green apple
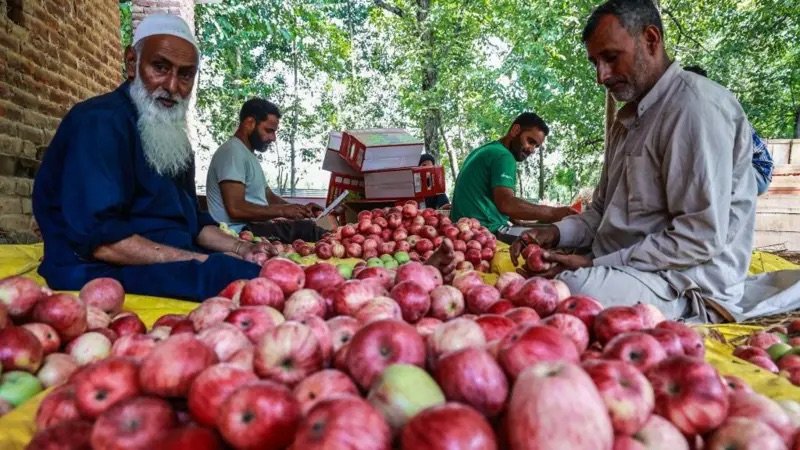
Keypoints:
pixel 345 270
pixel 402 257
pixel 386 258
pixel 295 257
pixel 374 262
pixel 391 264
pixel 777 350
pixel 402 391
pixel 17 386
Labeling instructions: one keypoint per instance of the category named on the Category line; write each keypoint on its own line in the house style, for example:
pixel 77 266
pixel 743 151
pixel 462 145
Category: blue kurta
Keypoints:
pixel 95 187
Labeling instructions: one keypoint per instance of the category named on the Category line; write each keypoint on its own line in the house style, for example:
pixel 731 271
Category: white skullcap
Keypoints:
pixel 164 24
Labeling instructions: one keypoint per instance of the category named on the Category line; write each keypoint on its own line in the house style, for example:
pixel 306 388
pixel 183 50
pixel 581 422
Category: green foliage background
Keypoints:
pixel 458 71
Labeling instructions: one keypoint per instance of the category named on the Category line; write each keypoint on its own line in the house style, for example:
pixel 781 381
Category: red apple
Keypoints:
pixel 353 294
pixel 765 362
pixel 651 315
pixel 64 312
pixel 763 339
pixel 533 258
pixel 134 346
pixel 262 292
pixel 285 273
pixel 68 435
pixel 454 335
pixel 570 326
pixel 657 434
pixel 190 437
pixel 616 320
pixel 473 377
pixel 343 421
pixel 689 393
pixel 20 349
pixel 302 303
pixel 464 281
pixel 670 341
pixel 637 348
pixel 288 353
pixel 342 329
pixel 323 250
pixel 522 315
pixel 19 295
pixel 581 306
pixel 46 336
pixel 529 344
pixel 501 307
pixel 555 405
pixel 379 308
pixel 746 351
pixel 745 434
pixel 384 277
pixel 506 278
pixel 495 326
pixel 321 386
pixel 233 290
pixel 420 274
pixel 736 384
pixel 224 339
pixel 255 321
pixel 107 294
pixel 562 289
pixel 691 341
pixel 259 415
pixel 380 344
pixel 56 369
pixel 103 384
pixel 322 275
pixel 136 423
pixel 127 325
pixel 323 335
pixel 172 365
pixel 96 318
pixel 57 407
pixel 448 426
pixel 787 362
pixel 625 391
pixel 480 298
pixel 413 300
pixel 182 326
pixel 751 405
pixel 213 311
pixel 537 293
pixel 212 387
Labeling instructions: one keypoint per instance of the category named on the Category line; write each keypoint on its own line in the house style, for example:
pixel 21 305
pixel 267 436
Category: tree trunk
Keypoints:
pixel 541 173
pixel 430 76
pixel 293 130
pixel 451 155
pixel 797 125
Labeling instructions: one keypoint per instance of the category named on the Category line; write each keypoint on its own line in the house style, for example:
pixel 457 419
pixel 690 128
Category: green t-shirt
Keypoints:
pixel 484 169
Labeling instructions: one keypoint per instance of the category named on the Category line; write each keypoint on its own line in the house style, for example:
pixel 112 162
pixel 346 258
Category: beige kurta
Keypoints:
pixel 677 193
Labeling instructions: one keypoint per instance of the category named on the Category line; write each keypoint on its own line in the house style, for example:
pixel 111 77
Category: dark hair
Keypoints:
pixel 426 157
pixel 696 69
pixel 529 120
pixel 259 109
pixel 633 15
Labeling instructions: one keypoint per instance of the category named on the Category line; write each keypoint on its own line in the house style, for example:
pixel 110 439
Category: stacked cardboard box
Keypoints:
pixel 380 164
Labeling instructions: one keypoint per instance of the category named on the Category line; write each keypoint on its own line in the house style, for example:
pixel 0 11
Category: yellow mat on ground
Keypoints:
pixel 17 427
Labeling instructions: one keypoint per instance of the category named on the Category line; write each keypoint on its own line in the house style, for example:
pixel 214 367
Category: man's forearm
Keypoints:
pixel 275 199
pixel 519 209
pixel 214 239
pixel 250 212
pixel 137 250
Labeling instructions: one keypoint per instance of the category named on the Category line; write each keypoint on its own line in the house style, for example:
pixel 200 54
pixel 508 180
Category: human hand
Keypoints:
pixel 545 237
pixel 559 212
pixel 314 208
pixel 256 252
pixel 555 263
pixel 295 212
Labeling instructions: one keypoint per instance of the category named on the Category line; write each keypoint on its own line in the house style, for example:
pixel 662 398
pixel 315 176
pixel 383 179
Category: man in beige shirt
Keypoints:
pixel 671 221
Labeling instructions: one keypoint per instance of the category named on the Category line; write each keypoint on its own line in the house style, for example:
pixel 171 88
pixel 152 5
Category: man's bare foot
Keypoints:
pixel 444 259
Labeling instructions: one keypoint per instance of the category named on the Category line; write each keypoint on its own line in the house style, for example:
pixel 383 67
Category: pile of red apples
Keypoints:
pixel 300 358
pixel 404 229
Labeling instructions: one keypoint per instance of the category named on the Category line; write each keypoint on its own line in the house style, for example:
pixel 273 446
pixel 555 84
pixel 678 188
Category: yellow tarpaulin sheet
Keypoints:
pixel 17 427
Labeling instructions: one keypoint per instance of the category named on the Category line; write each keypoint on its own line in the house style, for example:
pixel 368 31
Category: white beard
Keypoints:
pixel 162 130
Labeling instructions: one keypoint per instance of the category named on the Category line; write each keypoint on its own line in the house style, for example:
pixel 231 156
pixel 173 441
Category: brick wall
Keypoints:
pixel 53 54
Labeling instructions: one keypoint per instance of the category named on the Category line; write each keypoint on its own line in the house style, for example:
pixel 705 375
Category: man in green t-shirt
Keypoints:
pixel 485 187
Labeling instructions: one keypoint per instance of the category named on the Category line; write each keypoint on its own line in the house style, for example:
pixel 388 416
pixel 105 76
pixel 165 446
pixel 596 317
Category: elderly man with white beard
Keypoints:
pixel 115 194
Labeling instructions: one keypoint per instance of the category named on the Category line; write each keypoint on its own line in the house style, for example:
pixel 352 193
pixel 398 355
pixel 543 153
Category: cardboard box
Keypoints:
pixel 334 140
pixel 334 163
pixel 414 182
pixel 342 182
pixel 375 149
